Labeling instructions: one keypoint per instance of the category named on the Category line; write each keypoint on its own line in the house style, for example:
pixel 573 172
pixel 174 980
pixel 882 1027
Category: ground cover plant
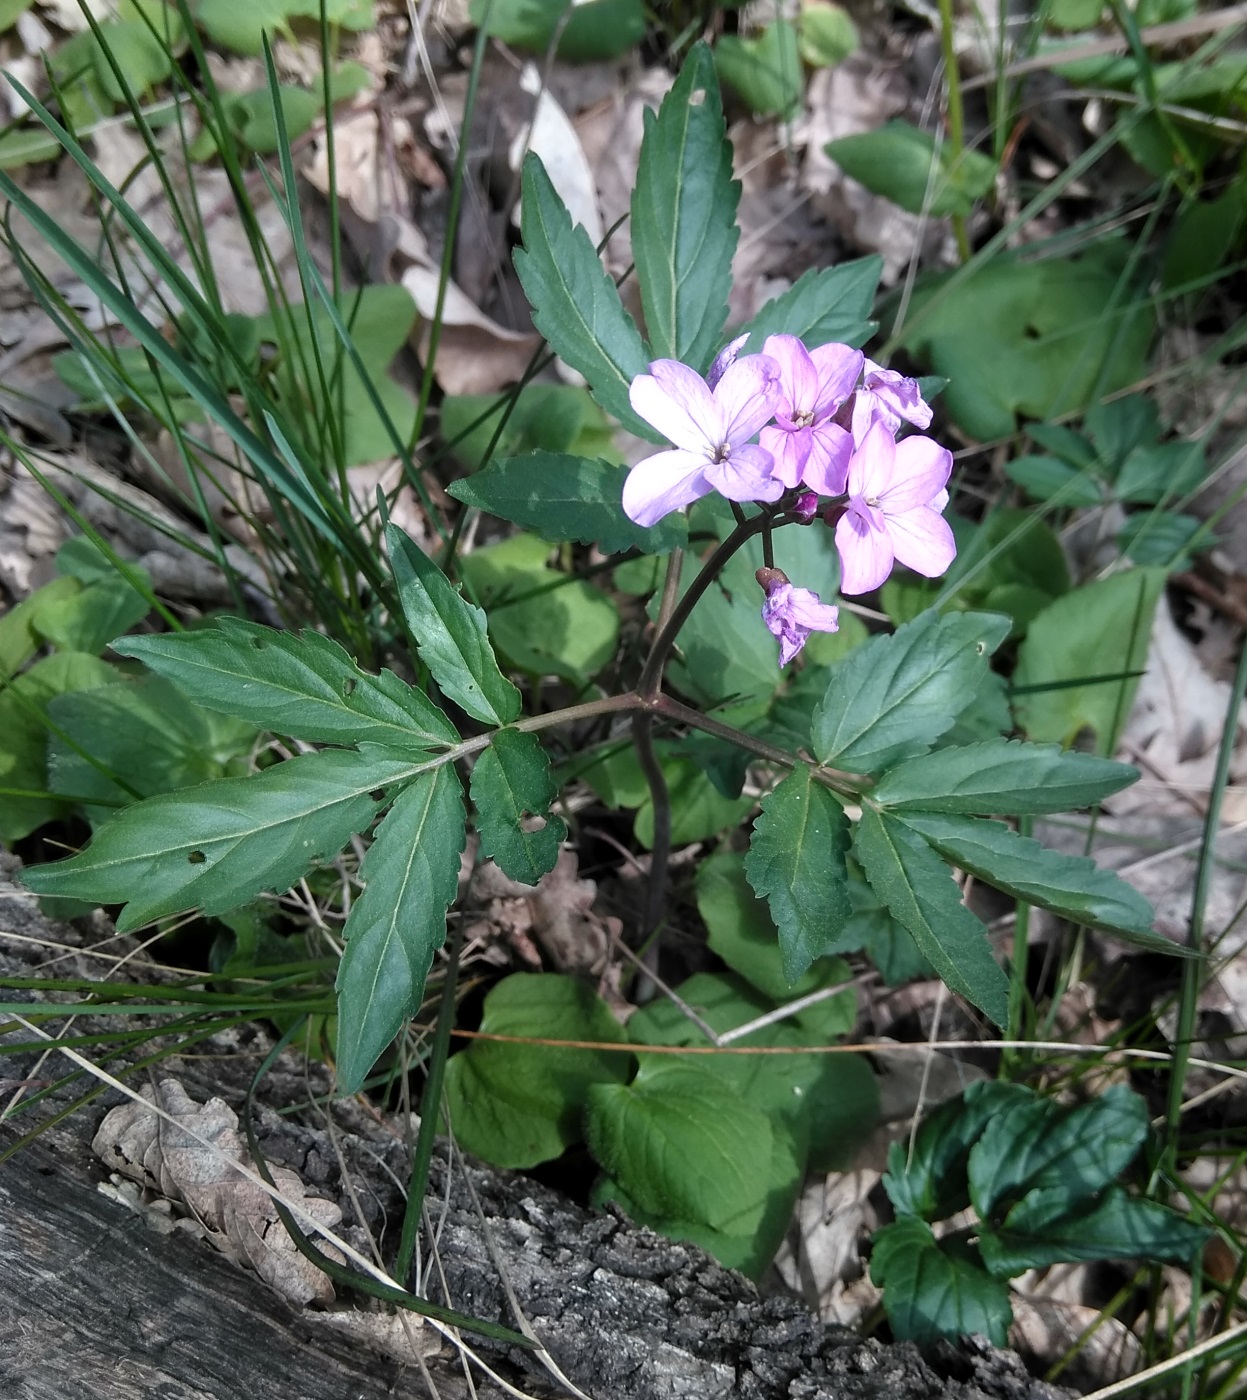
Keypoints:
pixel 409 685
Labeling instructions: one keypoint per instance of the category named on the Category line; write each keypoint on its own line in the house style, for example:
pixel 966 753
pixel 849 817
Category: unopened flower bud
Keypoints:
pixel 725 358
pixel 805 507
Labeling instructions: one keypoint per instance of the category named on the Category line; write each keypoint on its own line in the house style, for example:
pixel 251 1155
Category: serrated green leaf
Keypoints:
pixel 215 846
pixel 904 164
pixel 1073 670
pixel 144 731
pixel 796 861
pixel 518 1105
pixel 920 892
pixel 1160 538
pixel 575 304
pixel 1001 777
pixel 411 875
pixel 1043 1145
pixel 823 305
pixel 893 697
pixel 1072 886
pixel 567 498
pixel 304 686
pixel 682 1145
pixel 931 1293
pixel 931 1182
pixel 684 217
pixel 512 783
pixel 1117 1226
pixel 450 634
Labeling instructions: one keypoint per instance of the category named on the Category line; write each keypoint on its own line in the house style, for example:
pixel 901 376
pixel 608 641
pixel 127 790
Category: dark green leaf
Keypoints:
pixel 450 634
pixel 750 1251
pixel 824 304
pixel 1001 777
pixel 888 944
pixel 575 304
pixel 1161 538
pixel 1049 479
pixel 919 891
pixel 1071 886
pixel 893 697
pixel 215 846
pixel 698 809
pixel 411 875
pixel 88 620
pixel 146 733
pixel 517 1105
pixel 1042 1145
pixel 24 735
pixel 682 1144
pixel 931 1293
pixel 1072 671
pixel 744 935
pixel 305 686
pixel 1160 472
pixel 511 784
pixel 684 217
pixel 1115 1227
pixel 567 498
pixel 904 164
pixel 796 861
pixel 931 1182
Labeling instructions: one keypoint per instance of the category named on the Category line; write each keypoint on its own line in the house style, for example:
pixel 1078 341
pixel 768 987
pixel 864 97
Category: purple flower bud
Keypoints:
pixel 725 358
pixel 805 508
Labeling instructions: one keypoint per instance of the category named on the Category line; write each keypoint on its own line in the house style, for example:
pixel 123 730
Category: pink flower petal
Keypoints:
pixel 939 502
pixel 899 395
pixel 662 483
pixel 746 397
pixel 789 448
pixel 827 467
pixel 745 476
pixel 806 610
pixel 920 471
pixel 725 357
pixel 791 614
pixel 798 378
pixel 922 541
pixel 837 368
pixel 871 466
pixel 866 555
pixel 675 400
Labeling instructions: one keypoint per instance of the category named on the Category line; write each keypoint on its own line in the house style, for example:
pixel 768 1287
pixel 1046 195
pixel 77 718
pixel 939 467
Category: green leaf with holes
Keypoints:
pixel 217 845
pixel 511 785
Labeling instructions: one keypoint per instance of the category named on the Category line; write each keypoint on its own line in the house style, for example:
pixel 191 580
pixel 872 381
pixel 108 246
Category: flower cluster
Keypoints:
pixel 826 421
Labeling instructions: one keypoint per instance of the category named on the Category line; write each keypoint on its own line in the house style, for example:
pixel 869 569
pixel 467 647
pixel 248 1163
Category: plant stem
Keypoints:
pixel 1192 968
pixel 430 1109
pixel 660 797
pixel 956 115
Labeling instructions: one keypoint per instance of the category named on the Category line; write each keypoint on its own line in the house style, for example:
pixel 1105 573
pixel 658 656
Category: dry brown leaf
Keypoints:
pixel 1045 1330
pixel 557 914
pixel 239 1217
pixel 824 1262
pixel 552 136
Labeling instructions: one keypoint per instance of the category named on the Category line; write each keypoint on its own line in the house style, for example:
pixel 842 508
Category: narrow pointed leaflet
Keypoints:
pixel 511 784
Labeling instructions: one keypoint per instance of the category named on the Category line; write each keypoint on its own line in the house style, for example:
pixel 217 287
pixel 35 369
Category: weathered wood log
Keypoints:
pixel 96 1303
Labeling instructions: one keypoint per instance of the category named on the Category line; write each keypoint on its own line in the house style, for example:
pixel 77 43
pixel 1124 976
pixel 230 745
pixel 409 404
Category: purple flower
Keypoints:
pixel 711 431
pixel 896 494
pixel 807 446
pixel 791 614
pixel 888 397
